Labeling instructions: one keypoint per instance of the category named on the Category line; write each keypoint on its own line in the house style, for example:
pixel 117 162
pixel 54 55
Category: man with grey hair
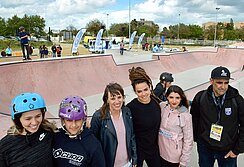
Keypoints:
pixel 218 121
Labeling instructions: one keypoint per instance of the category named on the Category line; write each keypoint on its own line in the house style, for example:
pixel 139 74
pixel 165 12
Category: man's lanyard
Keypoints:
pixel 218 105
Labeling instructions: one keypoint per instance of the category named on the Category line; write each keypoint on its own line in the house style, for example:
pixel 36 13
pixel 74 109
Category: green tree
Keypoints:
pixel 34 24
pixel 2 26
pixel 231 34
pixel 94 26
pixel 230 26
pixel 241 33
pixel 196 32
pixel 121 29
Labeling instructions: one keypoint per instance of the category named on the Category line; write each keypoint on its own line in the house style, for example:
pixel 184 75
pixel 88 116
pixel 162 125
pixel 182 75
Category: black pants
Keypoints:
pixel 152 160
pixel 23 47
pixel 165 163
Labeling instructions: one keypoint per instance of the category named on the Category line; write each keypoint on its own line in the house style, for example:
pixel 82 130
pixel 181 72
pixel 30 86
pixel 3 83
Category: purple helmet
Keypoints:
pixel 73 108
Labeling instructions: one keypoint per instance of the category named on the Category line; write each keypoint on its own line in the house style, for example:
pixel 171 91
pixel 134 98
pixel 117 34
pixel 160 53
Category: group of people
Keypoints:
pixel 155 128
pixel 56 50
pixel 43 50
pixel 7 52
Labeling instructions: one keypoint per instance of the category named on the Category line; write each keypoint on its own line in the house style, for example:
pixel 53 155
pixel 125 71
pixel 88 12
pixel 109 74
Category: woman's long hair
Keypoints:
pixel 177 89
pixel 114 89
pixel 18 129
pixel 138 75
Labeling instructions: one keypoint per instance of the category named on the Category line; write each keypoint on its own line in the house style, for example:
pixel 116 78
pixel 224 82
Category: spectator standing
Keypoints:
pixel 8 51
pixel 54 50
pixel 59 50
pixel 41 52
pixel 24 43
pixel 218 121
pixel 122 45
pixel 45 51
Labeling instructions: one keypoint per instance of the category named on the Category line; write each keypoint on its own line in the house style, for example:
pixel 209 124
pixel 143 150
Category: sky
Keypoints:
pixel 60 14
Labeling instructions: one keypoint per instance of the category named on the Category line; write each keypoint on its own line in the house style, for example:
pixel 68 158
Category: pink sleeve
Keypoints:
pixel 187 140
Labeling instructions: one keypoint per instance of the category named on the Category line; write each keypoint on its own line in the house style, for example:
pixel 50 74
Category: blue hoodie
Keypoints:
pixel 23 41
pixel 83 151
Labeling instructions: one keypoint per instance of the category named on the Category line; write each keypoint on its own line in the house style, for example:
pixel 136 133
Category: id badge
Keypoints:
pixel 216 132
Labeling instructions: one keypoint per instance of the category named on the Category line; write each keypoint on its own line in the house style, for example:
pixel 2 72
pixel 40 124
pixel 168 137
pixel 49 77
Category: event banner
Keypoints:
pixel 98 39
pixel 140 39
pixel 132 39
pixel 77 40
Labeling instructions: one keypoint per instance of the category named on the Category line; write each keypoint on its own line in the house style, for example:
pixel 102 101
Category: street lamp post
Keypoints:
pixel 107 24
pixel 179 28
pixel 215 31
pixel 129 19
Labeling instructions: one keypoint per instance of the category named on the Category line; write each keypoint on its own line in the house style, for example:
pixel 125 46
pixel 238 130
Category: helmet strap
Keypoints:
pixel 68 133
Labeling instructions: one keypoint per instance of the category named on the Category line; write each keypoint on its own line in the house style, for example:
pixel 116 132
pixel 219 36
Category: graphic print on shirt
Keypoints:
pixel 73 158
pixel 41 137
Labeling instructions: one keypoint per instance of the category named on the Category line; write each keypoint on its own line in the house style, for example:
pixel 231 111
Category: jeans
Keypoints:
pixel 23 47
pixel 121 51
pixel 54 54
pixel 207 157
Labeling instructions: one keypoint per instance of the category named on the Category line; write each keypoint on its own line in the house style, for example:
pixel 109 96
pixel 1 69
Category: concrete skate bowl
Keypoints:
pixel 229 57
pixel 55 79
pixel 177 62
pixel 86 76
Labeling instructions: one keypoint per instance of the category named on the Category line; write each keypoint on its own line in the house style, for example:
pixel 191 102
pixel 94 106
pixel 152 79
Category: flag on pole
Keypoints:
pixel 77 40
pixel 140 39
pixel 98 39
pixel 132 39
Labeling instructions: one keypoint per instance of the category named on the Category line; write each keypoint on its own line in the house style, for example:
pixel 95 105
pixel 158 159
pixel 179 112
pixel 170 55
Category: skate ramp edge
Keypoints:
pixel 88 75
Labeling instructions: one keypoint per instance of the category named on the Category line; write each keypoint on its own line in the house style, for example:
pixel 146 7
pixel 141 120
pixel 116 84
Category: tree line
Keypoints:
pixel 35 25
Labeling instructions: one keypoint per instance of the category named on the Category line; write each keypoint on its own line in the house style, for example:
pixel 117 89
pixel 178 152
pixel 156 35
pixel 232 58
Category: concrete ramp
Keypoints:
pixel 88 75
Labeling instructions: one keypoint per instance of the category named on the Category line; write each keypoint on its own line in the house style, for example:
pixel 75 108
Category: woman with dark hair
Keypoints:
pixel 28 142
pixel 112 125
pixel 145 111
pixel 175 134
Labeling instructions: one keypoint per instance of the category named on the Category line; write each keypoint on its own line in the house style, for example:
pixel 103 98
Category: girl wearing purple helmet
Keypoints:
pixel 74 144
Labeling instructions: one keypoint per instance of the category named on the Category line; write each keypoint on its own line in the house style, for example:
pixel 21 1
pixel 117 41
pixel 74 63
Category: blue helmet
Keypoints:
pixel 26 102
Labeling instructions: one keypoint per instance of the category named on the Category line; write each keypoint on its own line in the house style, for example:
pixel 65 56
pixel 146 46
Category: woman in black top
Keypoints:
pixel 146 117
pixel 28 142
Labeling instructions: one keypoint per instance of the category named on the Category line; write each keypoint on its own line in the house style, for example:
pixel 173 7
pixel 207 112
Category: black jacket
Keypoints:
pixel 33 150
pixel 83 151
pixel 105 132
pixel 204 114
pixel 159 91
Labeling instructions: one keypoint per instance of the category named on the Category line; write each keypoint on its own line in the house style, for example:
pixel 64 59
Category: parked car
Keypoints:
pixel 2 37
pixel 10 37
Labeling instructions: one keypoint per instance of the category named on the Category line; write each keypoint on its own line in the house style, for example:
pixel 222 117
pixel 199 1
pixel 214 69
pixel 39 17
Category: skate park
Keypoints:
pixel 88 75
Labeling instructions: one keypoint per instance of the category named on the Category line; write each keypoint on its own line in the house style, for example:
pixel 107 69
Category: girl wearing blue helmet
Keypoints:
pixel 74 144
pixel 28 142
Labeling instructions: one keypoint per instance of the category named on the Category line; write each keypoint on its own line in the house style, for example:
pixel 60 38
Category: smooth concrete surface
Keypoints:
pixel 87 76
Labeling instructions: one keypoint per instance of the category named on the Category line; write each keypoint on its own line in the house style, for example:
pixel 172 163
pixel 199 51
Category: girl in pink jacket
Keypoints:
pixel 175 133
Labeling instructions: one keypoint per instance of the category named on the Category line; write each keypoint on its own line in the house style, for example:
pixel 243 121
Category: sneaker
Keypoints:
pixel 24 58
pixel 28 58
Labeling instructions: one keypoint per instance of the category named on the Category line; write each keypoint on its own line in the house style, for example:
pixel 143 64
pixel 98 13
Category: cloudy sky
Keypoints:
pixel 59 14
